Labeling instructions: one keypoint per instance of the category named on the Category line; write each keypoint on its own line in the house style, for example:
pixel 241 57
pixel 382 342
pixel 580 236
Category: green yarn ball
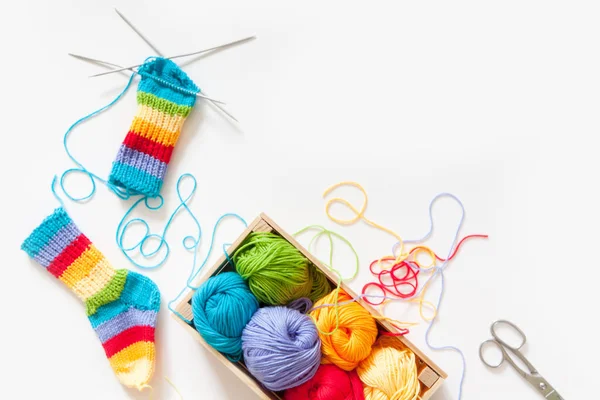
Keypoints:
pixel 276 271
pixel 320 286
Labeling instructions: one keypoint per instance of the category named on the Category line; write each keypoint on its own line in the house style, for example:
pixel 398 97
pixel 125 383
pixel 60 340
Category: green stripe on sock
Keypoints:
pixel 108 294
pixel 166 106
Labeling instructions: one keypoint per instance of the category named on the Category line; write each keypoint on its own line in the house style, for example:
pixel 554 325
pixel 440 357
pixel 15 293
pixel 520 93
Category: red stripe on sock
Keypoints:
pixel 148 146
pixel 127 338
pixel 68 255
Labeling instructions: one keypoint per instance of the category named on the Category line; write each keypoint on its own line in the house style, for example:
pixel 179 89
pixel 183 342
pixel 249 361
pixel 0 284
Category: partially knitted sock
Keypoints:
pixel 121 305
pixel 165 98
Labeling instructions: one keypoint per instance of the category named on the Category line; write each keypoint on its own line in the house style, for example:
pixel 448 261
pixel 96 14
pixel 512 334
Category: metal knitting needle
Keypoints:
pixel 84 58
pixel 160 54
pixel 131 69
pixel 138 32
pixel 181 55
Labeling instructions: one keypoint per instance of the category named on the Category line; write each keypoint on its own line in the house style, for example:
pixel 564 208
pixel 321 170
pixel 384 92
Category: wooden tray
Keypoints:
pixel 431 376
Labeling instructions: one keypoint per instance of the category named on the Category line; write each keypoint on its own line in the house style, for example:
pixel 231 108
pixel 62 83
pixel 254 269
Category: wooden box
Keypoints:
pixel 431 376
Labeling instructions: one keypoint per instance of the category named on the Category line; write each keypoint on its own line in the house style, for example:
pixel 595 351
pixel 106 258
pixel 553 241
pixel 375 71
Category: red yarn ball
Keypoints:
pixel 329 383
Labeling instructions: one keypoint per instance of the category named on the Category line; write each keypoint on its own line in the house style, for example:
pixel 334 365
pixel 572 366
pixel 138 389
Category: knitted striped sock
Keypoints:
pixel 165 98
pixel 121 305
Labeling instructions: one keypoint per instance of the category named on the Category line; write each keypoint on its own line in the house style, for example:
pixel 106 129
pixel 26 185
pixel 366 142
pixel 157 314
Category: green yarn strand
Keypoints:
pixel 276 271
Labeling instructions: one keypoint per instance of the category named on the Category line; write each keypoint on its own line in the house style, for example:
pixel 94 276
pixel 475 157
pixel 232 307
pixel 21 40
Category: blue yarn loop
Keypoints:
pixel 438 270
pixel 189 242
pixel 195 271
pixel 123 194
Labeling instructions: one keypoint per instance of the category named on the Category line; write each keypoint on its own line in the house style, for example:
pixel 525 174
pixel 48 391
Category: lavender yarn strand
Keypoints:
pixel 303 305
pixel 281 347
pixel 439 271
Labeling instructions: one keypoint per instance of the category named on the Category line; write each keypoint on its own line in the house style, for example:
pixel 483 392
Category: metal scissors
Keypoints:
pixel 540 384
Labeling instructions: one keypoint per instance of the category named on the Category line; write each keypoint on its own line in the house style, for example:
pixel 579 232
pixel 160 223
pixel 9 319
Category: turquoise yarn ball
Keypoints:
pixel 222 307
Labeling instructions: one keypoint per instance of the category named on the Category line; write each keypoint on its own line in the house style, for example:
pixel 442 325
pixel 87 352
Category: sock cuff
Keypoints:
pixel 165 80
pixel 60 247
pixel 51 237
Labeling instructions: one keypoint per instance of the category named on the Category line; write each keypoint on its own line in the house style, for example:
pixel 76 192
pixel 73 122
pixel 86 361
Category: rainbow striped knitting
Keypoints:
pixel 165 98
pixel 121 305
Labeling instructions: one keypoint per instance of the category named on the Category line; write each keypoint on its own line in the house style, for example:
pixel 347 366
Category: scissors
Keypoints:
pixel 540 384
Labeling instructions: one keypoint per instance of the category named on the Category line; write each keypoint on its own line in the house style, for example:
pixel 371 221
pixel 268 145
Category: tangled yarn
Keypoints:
pixel 276 271
pixel 329 383
pixel 281 347
pixel 347 332
pixel 390 372
pixel 222 307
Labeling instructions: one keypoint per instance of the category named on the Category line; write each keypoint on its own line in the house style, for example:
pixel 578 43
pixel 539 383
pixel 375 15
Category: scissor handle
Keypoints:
pixel 499 339
pixel 492 342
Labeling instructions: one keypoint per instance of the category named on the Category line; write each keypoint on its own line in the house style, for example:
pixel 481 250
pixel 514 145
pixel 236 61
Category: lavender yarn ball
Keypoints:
pixel 281 347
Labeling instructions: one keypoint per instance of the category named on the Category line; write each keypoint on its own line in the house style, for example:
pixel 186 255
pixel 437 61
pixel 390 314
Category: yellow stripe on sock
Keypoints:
pixel 171 123
pixel 134 364
pixel 82 266
pixel 157 126
pixel 96 280
pixel 166 121
pixel 150 130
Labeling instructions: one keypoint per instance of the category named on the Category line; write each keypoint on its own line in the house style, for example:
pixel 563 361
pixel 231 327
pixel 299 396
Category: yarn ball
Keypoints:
pixel 356 330
pixel 276 271
pixel 222 307
pixel 329 383
pixel 390 372
pixel 281 347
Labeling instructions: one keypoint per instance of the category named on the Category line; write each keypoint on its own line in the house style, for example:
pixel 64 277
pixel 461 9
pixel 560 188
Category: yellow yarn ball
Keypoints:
pixel 390 372
pixel 356 331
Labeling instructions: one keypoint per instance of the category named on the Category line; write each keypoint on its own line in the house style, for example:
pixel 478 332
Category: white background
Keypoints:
pixel 496 102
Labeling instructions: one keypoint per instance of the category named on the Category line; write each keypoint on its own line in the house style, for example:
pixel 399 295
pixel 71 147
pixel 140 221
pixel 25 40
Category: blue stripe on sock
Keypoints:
pixel 135 180
pixel 107 312
pixel 45 232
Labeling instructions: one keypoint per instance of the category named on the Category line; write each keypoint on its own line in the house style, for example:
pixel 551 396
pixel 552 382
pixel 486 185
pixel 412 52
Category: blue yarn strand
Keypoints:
pixel 123 194
pixel 196 270
pixel 190 242
pixel 53 187
pixel 162 242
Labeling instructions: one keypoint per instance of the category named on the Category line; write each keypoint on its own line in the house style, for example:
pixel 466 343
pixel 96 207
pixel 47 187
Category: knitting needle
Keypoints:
pixel 138 32
pixel 160 54
pixel 131 69
pixel 181 55
pixel 84 58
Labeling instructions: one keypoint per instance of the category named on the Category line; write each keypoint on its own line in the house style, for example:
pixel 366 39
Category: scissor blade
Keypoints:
pixel 554 396
pixel 543 387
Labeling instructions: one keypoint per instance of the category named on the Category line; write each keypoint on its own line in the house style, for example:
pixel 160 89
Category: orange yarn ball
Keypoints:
pixel 356 331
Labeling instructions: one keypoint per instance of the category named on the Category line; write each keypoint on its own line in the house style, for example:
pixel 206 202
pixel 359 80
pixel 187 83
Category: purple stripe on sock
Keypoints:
pixel 142 161
pixel 130 318
pixel 57 244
